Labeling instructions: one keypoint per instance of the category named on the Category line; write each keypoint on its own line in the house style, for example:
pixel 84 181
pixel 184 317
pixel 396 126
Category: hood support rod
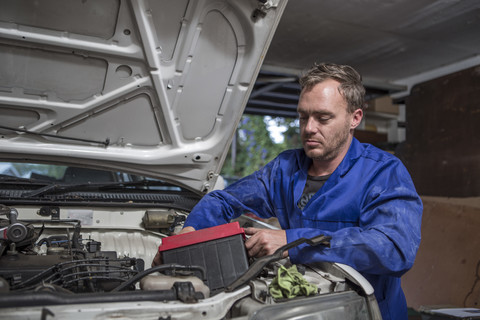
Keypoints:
pixel 105 143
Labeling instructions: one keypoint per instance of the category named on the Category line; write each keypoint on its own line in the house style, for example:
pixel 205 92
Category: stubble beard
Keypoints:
pixel 332 148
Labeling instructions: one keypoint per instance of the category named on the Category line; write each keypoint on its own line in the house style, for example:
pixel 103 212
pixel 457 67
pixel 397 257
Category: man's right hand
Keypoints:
pixel 264 242
pixel 158 258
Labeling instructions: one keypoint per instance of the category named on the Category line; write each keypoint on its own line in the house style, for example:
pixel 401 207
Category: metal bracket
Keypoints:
pixel 263 7
pixel 53 212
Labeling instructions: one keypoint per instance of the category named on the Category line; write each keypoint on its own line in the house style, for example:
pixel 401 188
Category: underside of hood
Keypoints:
pixel 150 87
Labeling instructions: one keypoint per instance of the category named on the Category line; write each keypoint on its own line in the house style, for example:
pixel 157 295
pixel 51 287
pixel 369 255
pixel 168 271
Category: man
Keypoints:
pixel 361 196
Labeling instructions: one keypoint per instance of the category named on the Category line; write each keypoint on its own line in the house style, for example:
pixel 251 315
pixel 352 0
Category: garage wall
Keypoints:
pixel 446 271
pixel 442 147
pixel 442 153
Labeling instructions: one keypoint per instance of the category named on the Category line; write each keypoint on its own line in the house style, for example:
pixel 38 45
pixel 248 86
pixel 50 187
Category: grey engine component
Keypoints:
pixel 64 262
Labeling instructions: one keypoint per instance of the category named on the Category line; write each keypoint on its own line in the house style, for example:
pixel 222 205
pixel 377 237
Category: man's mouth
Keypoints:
pixel 312 143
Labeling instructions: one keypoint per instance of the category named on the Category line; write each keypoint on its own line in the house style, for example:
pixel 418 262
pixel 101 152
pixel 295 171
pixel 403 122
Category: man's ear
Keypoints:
pixel 357 117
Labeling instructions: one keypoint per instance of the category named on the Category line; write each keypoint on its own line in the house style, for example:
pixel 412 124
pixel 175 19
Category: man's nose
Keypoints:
pixel 310 125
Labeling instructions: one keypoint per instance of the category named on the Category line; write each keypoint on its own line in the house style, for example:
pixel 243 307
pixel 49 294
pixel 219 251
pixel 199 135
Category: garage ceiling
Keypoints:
pixel 394 44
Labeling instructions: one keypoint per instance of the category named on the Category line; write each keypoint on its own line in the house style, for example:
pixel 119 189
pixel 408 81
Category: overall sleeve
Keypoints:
pixel 387 236
pixel 249 194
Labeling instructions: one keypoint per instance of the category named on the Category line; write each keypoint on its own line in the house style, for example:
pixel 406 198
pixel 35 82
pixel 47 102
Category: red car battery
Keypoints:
pixel 220 250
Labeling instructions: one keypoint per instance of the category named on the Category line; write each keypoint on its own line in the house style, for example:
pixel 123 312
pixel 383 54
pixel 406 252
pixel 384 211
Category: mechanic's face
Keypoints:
pixel 326 127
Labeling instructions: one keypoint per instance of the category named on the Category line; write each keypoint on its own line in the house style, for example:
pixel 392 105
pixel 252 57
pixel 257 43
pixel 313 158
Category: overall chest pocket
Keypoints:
pixel 330 219
pixel 328 225
pixel 331 210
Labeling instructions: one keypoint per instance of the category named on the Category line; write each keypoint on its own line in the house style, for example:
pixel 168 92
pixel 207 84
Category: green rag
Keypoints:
pixel 290 283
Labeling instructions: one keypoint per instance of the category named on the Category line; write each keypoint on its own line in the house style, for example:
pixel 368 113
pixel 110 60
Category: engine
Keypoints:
pixel 64 262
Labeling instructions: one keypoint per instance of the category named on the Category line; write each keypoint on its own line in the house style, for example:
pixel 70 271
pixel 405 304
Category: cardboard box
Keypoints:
pixel 382 104
pixel 219 250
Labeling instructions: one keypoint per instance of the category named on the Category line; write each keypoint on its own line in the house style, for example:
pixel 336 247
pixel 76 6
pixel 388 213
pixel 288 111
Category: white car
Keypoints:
pixel 116 117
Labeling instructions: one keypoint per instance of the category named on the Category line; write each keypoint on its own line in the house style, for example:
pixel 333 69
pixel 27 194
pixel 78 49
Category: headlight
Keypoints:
pixel 344 305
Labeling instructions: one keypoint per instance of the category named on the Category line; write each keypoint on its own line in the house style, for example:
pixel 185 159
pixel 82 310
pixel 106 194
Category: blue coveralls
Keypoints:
pixel 368 205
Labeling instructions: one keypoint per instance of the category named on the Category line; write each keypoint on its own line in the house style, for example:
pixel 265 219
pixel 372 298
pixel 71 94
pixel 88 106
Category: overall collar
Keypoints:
pixel 354 152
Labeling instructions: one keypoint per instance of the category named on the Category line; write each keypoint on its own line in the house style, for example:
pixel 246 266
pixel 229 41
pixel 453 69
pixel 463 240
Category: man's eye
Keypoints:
pixel 323 118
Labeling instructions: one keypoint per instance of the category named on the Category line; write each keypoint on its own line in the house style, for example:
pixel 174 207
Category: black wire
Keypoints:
pixel 33 279
pixel 80 273
pixel 477 278
pixel 55 270
pixel 90 264
pixel 69 282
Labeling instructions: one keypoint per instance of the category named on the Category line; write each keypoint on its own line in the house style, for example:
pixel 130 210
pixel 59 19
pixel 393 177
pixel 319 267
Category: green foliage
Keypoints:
pixel 292 133
pixel 253 146
pixel 25 169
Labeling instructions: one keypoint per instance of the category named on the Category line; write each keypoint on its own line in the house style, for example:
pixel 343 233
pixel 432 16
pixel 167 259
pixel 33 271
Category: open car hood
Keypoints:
pixel 150 87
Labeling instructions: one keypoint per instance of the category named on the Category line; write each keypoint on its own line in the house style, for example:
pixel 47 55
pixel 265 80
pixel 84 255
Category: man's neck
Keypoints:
pixel 322 167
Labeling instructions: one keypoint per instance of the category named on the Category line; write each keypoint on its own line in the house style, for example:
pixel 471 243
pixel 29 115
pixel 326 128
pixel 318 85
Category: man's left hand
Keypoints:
pixel 265 242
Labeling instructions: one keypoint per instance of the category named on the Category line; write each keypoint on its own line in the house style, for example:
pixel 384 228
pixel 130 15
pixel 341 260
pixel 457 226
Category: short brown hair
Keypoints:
pixel 351 87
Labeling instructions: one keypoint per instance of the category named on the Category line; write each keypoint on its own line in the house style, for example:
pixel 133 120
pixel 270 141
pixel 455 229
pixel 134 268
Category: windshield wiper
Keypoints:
pixel 139 183
pixel 5 178
pixel 56 187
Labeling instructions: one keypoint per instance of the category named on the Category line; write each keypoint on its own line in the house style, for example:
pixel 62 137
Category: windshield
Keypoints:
pixel 67 175
pixel 67 185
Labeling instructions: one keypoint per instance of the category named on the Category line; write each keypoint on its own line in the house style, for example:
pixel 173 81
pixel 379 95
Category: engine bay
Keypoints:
pixel 102 260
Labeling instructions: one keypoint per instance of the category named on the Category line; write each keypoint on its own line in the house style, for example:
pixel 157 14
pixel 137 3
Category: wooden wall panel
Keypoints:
pixel 442 148
pixel 446 271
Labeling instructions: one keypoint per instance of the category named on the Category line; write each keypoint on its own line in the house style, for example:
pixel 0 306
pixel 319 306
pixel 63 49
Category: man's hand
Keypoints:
pixel 265 241
pixel 158 258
